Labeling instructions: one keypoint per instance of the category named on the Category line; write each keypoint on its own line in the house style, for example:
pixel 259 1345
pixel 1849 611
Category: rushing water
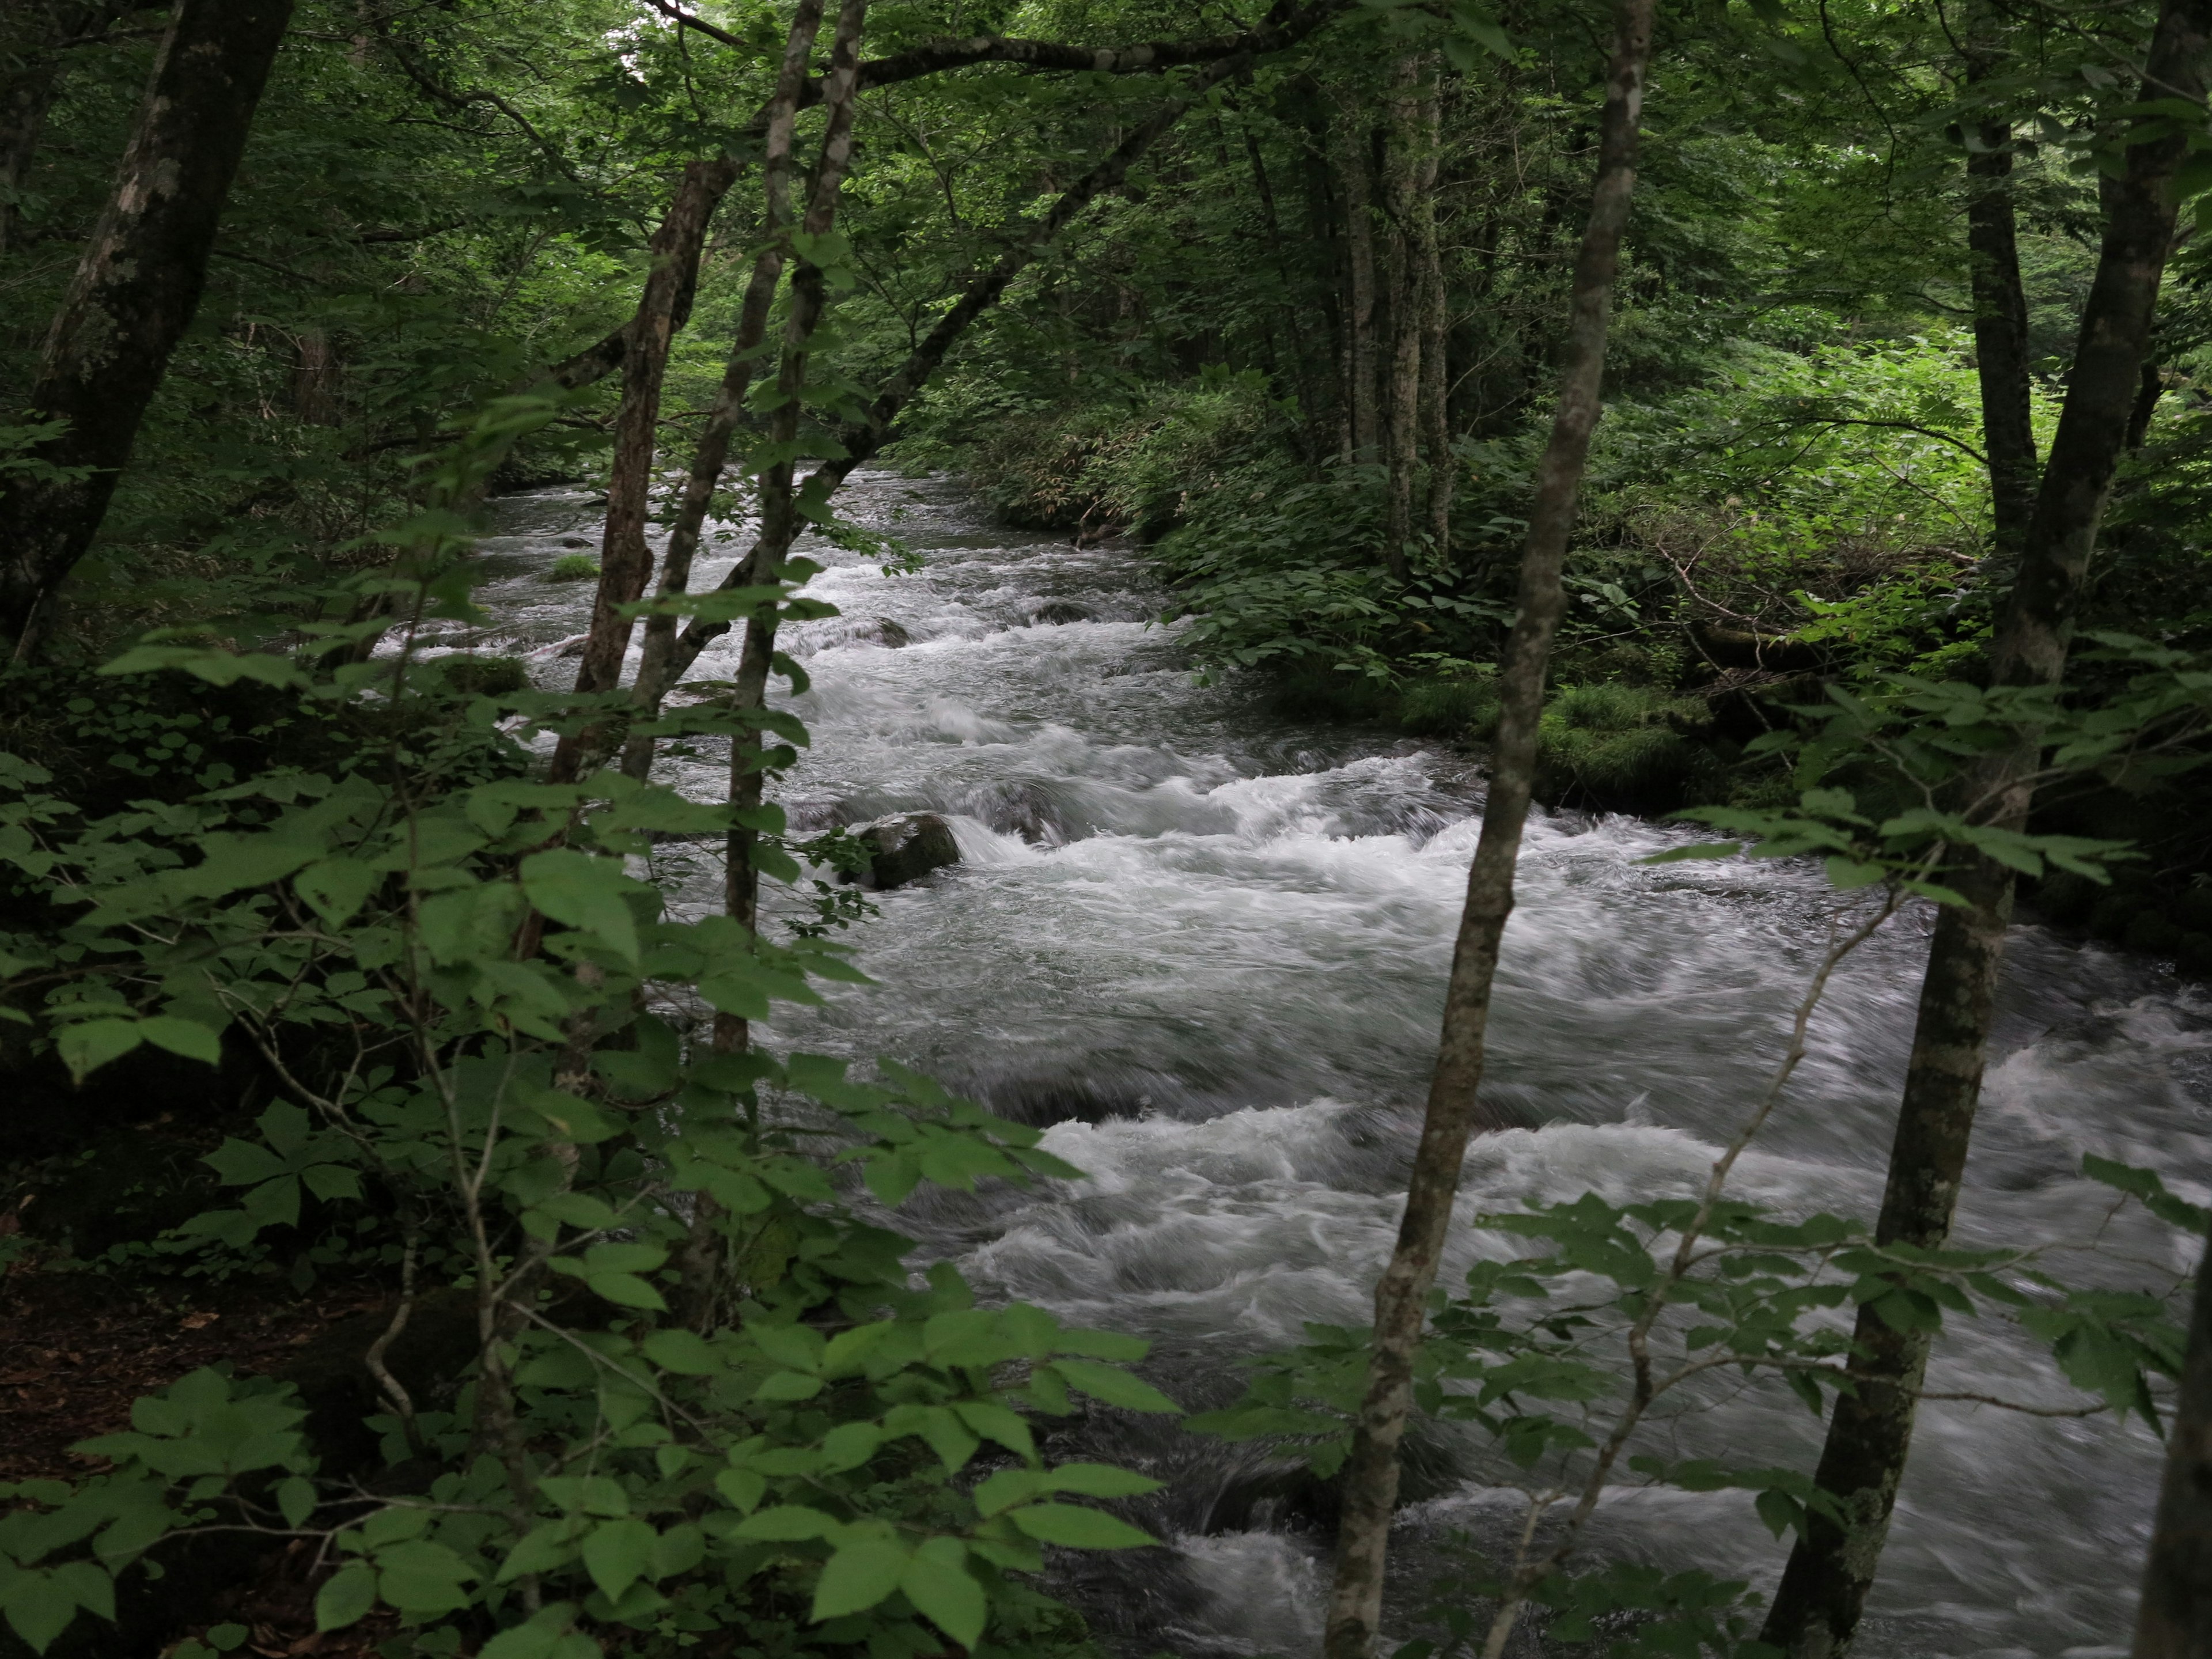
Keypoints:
pixel 1209 947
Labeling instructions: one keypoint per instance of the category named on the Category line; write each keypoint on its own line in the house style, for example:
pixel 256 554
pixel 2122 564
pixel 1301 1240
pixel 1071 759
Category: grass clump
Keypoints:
pixel 573 568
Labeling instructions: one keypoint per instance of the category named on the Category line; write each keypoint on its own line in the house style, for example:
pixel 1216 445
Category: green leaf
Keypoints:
pixel 336 888
pixel 858 1577
pixel 187 1037
pixel 38 1606
pixel 618 1554
pixel 938 1584
pixel 295 1500
pixel 1114 1386
pixel 626 1290
pixel 419 1577
pixel 678 1349
pixel 786 1523
pixel 1100 1481
pixel 347 1598
pixel 87 1045
pixel 1078 1528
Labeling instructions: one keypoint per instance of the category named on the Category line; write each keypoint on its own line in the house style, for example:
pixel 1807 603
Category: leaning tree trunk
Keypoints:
pixel 1371 1477
pixel 625 560
pixel 781 520
pixel 1823 1588
pixel 2175 1618
pixel 135 291
pixel 2000 317
pixel 713 450
pixel 861 439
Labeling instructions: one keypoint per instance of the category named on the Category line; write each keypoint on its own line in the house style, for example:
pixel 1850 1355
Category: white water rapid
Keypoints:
pixel 1208 945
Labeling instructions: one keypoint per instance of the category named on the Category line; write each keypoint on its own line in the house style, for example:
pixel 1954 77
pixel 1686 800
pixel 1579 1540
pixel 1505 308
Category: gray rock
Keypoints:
pixel 907 848
pixel 884 632
pixel 1058 612
pixel 574 541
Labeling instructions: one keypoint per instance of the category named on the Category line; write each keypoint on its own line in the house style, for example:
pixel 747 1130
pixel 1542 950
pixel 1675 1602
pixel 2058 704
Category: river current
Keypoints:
pixel 1207 945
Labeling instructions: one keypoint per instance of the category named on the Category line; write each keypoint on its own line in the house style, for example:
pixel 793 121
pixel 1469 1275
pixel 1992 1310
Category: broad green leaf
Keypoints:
pixel 346 1598
pixel 858 1577
pixel 618 1554
pixel 1113 1386
pixel 937 1582
pixel 1078 1528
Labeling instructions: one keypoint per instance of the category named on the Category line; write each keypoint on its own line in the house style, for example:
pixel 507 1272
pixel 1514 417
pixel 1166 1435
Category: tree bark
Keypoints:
pixel 1354 193
pixel 2175 1618
pixel 1271 223
pixel 136 288
pixel 713 451
pixel 1403 204
pixel 780 521
pixel 1435 360
pixel 2000 317
pixel 625 560
pixel 1824 1587
pixel 1371 1477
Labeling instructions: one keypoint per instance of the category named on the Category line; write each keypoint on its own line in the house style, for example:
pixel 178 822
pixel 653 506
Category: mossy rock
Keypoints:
pixel 1620 748
pixel 573 568
pixel 905 849
pixel 484 677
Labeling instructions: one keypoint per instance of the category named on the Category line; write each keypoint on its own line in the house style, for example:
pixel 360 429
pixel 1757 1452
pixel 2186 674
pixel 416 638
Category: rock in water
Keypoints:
pixel 1059 612
pixel 908 847
pixel 884 632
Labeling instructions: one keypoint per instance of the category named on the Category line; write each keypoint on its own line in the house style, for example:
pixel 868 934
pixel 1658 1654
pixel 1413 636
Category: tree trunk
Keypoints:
pixel 1271 222
pixel 2175 1619
pixel 1823 1590
pixel 713 446
pixel 1401 197
pixel 1354 192
pixel 625 560
pixel 780 519
pixel 2000 319
pixel 1371 1477
pixel 135 291
pixel 1436 360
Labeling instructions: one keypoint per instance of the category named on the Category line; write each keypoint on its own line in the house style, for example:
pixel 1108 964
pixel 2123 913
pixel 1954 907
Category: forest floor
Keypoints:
pixel 76 1348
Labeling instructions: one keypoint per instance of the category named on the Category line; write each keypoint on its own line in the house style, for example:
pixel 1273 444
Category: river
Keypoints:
pixel 1208 944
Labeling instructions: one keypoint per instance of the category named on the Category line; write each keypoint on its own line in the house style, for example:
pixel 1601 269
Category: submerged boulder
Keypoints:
pixel 907 848
pixel 884 632
pixel 1056 612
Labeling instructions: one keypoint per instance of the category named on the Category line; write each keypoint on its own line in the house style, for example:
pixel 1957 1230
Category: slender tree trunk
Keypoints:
pixel 625 560
pixel 1823 1588
pixel 135 291
pixel 780 521
pixel 2000 319
pixel 1436 363
pixel 2175 1618
pixel 1371 1477
pixel 1354 191
pixel 1271 220
pixel 713 446
pixel 1401 412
